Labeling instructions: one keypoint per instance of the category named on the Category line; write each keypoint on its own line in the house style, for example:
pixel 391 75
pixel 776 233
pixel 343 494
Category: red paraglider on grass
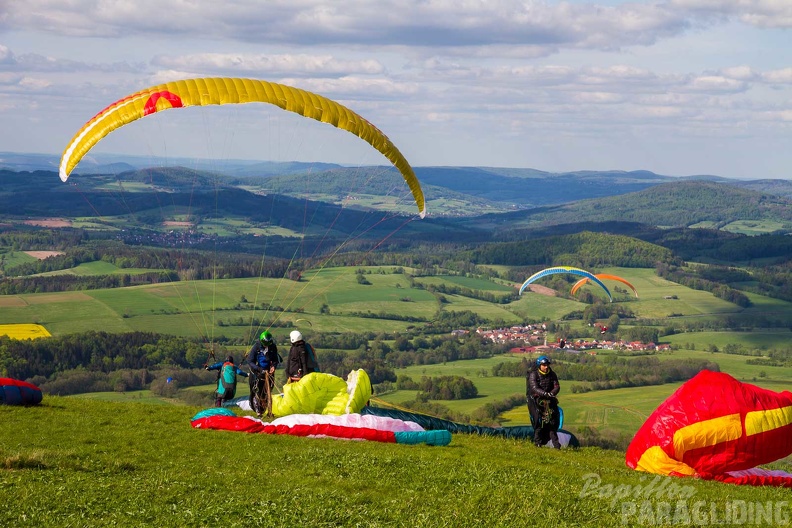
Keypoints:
pixel 715 427
pixel 17 392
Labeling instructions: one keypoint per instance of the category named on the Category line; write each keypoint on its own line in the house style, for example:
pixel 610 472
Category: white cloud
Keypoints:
pixel 534 27
pixel 35 84
pixel 759 13
pixel 240 64
pixel 742 73
pixel 783 76
pixel 469 74
pixel 717 84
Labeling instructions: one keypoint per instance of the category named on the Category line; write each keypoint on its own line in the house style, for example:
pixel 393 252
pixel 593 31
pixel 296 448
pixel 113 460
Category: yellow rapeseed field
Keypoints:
pixel 23 331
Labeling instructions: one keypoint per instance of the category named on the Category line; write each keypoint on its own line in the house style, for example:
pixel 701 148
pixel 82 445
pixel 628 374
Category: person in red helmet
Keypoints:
pixel 541 394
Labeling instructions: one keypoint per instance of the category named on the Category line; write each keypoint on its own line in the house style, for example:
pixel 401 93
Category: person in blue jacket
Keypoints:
pixel 262 360
pixel 226 379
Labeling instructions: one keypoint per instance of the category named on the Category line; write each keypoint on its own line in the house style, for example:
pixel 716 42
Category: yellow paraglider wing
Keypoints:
pixel 321 393
pixel 225 90
pixel 602 276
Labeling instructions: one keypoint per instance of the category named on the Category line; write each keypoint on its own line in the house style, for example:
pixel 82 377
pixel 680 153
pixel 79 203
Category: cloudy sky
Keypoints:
pixel 678 87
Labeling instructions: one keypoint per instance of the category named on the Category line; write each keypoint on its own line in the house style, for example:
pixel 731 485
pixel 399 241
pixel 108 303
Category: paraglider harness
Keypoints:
pixel 262 390
pixel 227 379
pixel 545 412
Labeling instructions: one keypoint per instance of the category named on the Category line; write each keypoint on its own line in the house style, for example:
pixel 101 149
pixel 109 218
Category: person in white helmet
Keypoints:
pixel 302 358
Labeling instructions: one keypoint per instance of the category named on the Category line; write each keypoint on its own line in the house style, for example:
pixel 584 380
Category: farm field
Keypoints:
pixel 338 290
pixel 97 268
pixel 23 331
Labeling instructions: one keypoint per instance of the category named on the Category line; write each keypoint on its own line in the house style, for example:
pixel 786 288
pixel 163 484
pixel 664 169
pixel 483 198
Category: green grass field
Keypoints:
pixel 9 258
pixel 93 463
pixel 194 308
pixel 98 268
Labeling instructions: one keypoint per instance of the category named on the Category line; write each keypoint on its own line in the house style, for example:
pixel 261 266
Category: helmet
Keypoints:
pixel 230 359
pixel 266 337
pixel 295 336
pixel 542 360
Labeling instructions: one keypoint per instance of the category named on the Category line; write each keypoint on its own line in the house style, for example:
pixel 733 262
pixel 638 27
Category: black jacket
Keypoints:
pixel 261 357
pixel 542 385
pixel 301 360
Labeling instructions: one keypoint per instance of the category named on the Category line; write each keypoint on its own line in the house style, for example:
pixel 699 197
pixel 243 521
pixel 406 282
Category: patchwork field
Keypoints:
pixel 23 331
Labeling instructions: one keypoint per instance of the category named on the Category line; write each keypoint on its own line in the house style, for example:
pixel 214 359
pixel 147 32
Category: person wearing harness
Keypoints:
pixel 226 380
pixel 262 360
pixel 542 389
pixel 302 359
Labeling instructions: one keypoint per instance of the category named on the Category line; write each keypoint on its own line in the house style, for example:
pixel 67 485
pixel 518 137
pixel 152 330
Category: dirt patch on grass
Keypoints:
pixel 173 223
pixel 542 290
pixel 49 298
pixel 49 222
pixel 41 255
pixel 12 302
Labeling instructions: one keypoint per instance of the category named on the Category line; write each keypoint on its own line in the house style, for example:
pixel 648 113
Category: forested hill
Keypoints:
pixel 379 181
pixel 581 250
pixel 680 203
pixel 532 187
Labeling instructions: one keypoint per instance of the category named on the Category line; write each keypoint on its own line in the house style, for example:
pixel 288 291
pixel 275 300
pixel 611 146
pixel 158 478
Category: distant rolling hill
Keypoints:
pixel 675 204
pixel 455 191
pixel 499 199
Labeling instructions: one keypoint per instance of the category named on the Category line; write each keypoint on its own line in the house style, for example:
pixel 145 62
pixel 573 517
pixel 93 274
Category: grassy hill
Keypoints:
pixel 77 462
pixel 680 203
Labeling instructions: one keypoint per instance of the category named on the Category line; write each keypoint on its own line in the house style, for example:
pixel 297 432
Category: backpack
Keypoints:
pixel 312 363
pixel 226 386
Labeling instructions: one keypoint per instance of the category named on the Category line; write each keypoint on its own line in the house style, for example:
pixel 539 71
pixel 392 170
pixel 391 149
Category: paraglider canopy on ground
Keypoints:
pixel 715 427
pixel 17 392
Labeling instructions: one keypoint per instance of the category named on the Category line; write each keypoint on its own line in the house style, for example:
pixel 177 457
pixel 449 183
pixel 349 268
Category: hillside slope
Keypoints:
pixel 89 463
pixel 676 204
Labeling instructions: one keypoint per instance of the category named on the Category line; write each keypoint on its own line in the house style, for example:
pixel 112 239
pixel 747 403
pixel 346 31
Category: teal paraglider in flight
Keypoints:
pixel 565 269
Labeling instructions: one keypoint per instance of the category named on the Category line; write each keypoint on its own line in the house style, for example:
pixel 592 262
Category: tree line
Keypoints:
pixel 613 371
pixel 695 278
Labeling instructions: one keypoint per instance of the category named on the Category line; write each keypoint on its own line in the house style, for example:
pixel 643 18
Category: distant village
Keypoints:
pixel 532 338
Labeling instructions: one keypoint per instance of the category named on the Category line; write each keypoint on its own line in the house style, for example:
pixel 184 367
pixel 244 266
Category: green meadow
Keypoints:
pixel 11 258
pixel 95 463
pixel 98 267
pixel 332 300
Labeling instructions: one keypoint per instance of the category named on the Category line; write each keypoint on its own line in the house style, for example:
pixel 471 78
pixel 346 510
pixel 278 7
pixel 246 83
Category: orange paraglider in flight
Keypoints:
pixel 602 276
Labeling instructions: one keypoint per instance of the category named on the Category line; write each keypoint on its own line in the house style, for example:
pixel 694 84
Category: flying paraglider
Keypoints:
pixel 18 392
pixel 602 276
pixel 565 269
pixel 225 90
pixel 715 427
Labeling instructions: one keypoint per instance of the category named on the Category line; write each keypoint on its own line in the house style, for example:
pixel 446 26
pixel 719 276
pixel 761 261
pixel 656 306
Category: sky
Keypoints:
pixel 677 87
